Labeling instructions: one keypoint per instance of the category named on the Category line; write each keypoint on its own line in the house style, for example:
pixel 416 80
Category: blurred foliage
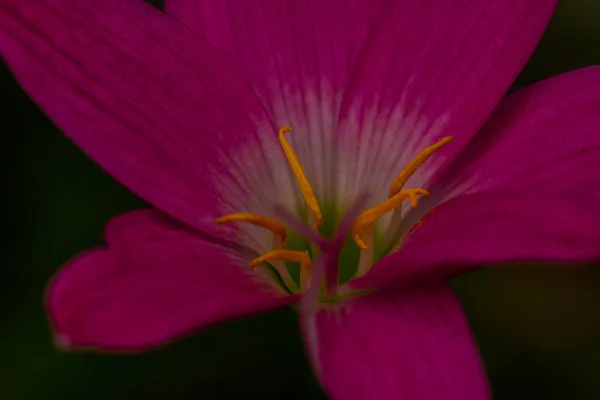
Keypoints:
pixel 537 326
pixel 156 3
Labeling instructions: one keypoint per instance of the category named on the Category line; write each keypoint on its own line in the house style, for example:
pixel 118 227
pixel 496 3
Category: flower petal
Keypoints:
pixel 494 227
pixel 144 225
pixel 454 63
pixel 150 101
pixel 409 342
pixel 296 54
pixel 145 290
pixel 545 137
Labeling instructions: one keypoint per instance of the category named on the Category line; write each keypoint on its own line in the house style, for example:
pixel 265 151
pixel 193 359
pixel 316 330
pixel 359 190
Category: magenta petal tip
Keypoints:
pixel 62 342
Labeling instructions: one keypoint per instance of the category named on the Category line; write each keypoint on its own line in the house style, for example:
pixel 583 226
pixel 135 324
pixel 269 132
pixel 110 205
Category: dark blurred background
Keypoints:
pixel 538 327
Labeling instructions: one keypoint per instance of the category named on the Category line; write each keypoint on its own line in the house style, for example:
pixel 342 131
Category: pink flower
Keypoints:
pixel 392 104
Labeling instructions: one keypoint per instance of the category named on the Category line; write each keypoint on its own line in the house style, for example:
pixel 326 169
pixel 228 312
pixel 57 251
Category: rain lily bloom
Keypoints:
pixel 345 155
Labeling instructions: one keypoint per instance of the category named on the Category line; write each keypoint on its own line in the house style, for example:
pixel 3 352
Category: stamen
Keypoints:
pixel 288 255
pixel 365 259
pixel 269 223
pixel 305 187
pixel 416 162
pixel 285 276
pixel 367 218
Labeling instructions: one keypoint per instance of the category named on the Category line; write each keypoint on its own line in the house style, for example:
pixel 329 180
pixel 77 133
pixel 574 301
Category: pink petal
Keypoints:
pixel 409 342
pixel 150 101
pixel 297 55
pixel 431 72
pixel 149 289
pixel 545 137
pixel 144 225
pixel 495 227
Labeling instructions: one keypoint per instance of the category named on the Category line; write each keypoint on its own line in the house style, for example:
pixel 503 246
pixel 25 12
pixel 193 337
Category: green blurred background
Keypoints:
pixel 538 327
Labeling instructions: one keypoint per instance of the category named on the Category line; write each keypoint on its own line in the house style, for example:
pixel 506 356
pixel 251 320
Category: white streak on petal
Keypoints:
pixel 259 178
pixel 374 146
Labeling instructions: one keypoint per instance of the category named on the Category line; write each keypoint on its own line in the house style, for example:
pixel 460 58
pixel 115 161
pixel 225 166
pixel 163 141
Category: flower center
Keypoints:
pixel 361 228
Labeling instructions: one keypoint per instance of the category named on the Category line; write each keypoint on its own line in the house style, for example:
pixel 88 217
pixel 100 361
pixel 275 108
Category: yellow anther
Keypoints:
pixel 305 187
pixel 416 162
pixel 288 255
pixel 269 223
pixel 367 218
